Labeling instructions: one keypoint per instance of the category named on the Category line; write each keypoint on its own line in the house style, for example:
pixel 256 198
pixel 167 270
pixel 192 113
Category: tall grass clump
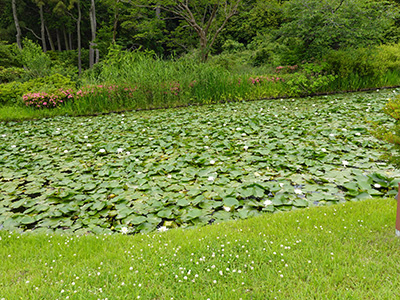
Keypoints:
pixel 161 83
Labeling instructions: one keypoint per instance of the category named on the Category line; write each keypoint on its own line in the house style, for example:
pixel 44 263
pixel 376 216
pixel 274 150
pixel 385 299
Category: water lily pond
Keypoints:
pixel 149 170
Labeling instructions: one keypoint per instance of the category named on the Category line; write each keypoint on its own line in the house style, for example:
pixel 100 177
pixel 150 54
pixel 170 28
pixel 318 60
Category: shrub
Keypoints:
pixel 37 63
pixel 11 93
pixel 9 55
pixel 46 100
pixel 361 61
pixel 391 134
pixel 10 74
pixel 310 78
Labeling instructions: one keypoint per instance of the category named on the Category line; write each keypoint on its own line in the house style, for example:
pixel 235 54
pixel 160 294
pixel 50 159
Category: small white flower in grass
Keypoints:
pixel 13 146
pixel 89 145
pixel 227 208
pixel 238 129
pixel 102 150
pixel 119 150
pixel 281 184
pixel 357 133
pixel 124 230
pixel 331 135
pixel 128 153
pixel 65 151
pixel 323 149
pixel 245 148
pixel 211 178
pixel 344 129
pixel 345 163
pixel 267 202
pixel 298 191
pixel 85 137
pixel 212 162
pixel 3 135
pixel 377 185
pixel 162 229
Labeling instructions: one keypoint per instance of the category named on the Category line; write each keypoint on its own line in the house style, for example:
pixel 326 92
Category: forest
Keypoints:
pixel 227 33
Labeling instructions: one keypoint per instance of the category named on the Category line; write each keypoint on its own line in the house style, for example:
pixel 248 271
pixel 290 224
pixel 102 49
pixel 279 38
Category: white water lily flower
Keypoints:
pixel 345 162
pixel 162 229
pixel 211 178
pixel 119 150
pixel 298 191
pixel 377 185
pixel 212 162
pixel 124 230
pixel 102 150
pixel 267 202
pixel 227 208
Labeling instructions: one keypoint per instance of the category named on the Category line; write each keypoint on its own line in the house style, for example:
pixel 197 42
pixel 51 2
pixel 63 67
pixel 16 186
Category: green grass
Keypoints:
pixel 346 251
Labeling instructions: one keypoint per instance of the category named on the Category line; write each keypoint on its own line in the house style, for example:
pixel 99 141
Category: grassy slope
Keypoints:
pixel 338 252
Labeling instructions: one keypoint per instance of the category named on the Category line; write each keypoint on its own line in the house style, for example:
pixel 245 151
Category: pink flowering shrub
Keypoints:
pixel 48 100
pixel 262 79
pixel 286 69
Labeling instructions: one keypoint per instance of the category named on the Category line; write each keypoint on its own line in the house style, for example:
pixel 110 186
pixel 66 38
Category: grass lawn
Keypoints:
pixel 346 251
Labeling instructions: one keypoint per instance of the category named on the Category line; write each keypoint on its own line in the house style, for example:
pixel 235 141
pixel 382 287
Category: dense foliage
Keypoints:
pixel 144 170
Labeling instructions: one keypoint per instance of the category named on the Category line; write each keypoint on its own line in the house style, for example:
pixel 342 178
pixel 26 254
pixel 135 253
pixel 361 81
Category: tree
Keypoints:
pixel 93 53
pixel 40 4
pixel 314 27
pixel 206 18
pixel 17 26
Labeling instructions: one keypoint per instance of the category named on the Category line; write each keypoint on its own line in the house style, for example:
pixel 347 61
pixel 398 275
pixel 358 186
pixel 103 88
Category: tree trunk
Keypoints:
pixel 42 30
pixel 50 39
pixel 58 40
pixel 17 27
pixel 66 40
pixel 116 19
pixel 93 24
pixel 158 12
pixel 203 47
pixel 71 47
pixel 78 31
